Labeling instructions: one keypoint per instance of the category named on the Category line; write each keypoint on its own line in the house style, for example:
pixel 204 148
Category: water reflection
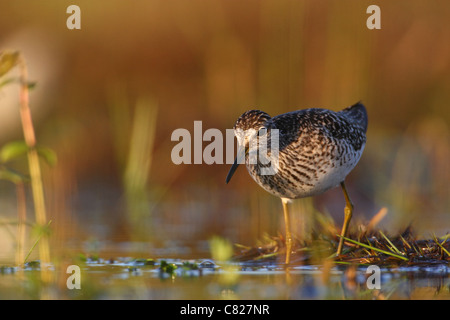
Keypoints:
pixel 126 278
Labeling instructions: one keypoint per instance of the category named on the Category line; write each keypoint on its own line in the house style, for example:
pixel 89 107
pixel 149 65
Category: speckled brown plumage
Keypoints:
pixel 317 149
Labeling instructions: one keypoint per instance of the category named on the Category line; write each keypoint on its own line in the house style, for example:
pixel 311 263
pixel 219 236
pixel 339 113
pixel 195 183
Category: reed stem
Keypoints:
pixel 35 170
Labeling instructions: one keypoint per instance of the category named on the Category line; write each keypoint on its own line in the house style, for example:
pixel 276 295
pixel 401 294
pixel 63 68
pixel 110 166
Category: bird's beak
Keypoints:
pixel 242 151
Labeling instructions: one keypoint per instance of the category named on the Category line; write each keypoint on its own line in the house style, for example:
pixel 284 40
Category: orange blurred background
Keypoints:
pixel 109 96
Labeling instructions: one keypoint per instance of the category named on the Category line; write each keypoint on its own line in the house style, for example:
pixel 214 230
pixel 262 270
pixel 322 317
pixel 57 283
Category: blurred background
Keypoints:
pixel 109 96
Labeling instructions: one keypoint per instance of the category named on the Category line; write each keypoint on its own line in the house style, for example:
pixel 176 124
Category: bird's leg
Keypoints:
pixel 348 216
pixel 287 222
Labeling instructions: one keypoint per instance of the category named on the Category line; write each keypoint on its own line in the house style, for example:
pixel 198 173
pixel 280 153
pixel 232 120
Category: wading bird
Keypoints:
pixel 316 150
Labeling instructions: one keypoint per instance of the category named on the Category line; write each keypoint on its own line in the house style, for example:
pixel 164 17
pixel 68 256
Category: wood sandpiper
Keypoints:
pixel 315 150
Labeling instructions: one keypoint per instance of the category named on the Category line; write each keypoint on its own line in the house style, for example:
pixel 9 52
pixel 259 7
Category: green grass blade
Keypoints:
pixel 35 243
pixel 405 242
pixel 390 243
pixel 268 255
pixel 445 238
pixel 375 249
pixel 440 245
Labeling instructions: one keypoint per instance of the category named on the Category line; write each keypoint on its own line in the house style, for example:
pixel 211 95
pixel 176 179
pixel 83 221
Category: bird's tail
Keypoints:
pixel 358 114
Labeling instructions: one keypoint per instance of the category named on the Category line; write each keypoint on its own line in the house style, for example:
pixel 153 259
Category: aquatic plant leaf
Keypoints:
pixel 16 149
pixel 168 268
pixel 12 150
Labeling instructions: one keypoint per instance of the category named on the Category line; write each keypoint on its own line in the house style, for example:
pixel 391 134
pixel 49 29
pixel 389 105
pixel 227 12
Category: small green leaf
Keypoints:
pixel 11 175
pixel 48 155
pixel 169 268
pixel 16 149
pixel 12 150
pixel 31 85
pixel 8 60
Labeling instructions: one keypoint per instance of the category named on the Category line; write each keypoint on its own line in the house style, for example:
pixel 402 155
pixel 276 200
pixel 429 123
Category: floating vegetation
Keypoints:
pixel 374 248
pixel 257 278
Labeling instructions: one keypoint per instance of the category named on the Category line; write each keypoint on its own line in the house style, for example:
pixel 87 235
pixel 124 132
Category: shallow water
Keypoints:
pixel 127 278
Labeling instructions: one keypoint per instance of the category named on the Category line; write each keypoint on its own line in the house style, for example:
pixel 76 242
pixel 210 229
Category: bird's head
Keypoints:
pixel 247 127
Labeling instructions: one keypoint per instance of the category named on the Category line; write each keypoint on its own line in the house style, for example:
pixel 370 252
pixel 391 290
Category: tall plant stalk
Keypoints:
pixel 21 216
pixel 35 169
